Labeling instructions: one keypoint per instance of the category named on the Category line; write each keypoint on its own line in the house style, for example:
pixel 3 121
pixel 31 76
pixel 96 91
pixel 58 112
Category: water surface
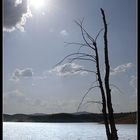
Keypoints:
pixel 64 131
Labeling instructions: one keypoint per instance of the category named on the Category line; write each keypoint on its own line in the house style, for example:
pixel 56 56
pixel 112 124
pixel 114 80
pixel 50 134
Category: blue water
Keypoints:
pixel 63 131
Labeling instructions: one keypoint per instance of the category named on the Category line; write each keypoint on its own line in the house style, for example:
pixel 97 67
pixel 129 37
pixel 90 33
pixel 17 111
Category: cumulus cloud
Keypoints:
pixel 121 68
pixel 28 72
pixel 64 33
pixel 18 74
pixel 68 69
pixel 15 14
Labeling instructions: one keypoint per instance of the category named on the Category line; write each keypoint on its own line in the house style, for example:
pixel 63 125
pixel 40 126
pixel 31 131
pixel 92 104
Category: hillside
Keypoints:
pixel 130 118
pixel 120 118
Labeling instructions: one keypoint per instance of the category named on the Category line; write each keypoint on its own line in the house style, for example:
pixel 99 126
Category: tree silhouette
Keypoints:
pixel 104 86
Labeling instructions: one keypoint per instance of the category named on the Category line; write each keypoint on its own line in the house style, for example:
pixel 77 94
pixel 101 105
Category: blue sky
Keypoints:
pixel 33 42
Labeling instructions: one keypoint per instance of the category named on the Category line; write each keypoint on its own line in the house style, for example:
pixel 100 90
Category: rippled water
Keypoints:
pixel 63 131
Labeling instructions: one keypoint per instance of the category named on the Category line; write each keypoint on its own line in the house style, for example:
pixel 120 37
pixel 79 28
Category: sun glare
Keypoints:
pixel 37 4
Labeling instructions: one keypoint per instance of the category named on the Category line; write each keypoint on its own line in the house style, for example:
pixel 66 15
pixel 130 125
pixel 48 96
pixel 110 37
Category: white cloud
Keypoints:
pixel 64 33
pixel 15 14
pixel 121 68
pixel 68 69
pixel 25 73
pixel 41 77
pixel 18 74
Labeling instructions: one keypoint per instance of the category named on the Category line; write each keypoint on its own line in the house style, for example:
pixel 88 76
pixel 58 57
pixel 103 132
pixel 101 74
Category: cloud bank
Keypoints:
pixel 15 14
pixel 68 69
pixel 25 73
pixel 18 74
pixel 121 68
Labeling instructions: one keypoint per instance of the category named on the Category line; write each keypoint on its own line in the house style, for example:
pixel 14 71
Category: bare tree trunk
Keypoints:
pixel 90 43
pixel 104 111
pixel 106 80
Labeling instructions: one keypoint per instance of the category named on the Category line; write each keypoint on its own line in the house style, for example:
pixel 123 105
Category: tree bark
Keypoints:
pixel 104 111
pixel 106 80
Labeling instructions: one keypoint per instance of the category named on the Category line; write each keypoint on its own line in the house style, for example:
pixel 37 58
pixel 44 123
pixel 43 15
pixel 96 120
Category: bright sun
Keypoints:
pixel 37 4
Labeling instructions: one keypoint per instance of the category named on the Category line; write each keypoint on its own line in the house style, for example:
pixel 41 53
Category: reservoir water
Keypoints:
pixel 64 131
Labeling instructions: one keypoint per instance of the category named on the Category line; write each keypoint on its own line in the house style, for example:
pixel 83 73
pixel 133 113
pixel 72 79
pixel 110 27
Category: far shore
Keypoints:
pixel 83 117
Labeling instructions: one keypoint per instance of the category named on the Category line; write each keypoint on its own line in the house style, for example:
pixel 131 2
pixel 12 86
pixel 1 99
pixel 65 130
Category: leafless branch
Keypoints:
pixel 82 69
pixel 72 54
pixel 79 49
pixel 94 82
pixel 84 31
pixel 87 70
pixel 86 55
pixel 78 58
pixel 78 44
pixel 99 107
pixel 75 43
pixel 85 96
pixel 99 34
pixel 97 102
pixel 117 88
pixel 89 36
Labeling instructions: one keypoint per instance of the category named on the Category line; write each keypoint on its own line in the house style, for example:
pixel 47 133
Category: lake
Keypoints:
pixel 64 131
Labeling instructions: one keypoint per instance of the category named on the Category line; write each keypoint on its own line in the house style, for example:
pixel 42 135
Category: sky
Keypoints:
pixel 35 33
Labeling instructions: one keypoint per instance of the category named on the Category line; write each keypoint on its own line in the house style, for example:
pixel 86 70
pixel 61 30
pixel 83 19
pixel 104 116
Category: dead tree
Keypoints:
pixel 106 81
pixel 91 43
